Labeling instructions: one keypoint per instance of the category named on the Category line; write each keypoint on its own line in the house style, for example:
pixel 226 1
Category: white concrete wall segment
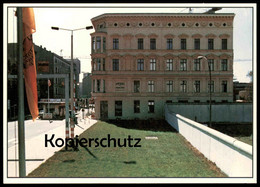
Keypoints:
pixel 233 157
pixel 221 112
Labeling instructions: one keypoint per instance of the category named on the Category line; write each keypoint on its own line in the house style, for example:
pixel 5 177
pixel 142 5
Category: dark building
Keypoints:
pixel 243 91
pixel 46 63
pixel 86 86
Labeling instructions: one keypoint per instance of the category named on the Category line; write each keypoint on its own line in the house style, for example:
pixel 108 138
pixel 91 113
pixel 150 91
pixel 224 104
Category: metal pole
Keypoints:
pixel 21 133
pixel 71 89
pixel 67 105
pixel 48 96
pixel 209 94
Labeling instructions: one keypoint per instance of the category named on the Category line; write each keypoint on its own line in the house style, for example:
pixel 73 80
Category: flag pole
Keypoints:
pixel 48 84
pixel 21 132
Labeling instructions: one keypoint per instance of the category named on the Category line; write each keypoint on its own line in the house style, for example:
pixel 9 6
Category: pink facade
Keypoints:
pixel 142 61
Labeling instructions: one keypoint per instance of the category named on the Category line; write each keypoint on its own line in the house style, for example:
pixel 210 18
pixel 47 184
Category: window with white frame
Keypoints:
pixel 140 64
pixel 183 64
pixel 196 64
pixel 150 86
pixel 183 86
pixel 169 86
pixel 224 63
pixel 152 64
pixel 211 86
pixel 197 86
pixel 169 65
pixel 211 64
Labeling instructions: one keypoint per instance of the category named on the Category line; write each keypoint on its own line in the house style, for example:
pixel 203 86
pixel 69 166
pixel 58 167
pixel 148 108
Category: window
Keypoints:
pixel 224 64
pixel 104 86
pixel 104 64
pixel 224 44
pixel 98 43
pixel 197 86
pixel 136 106
pixel 115 64
pixel 104 44
pixel 152 43
pixel 183 44
pixel 93 44
pixel 140 43
pixel 115 43
pixel 169 86
pixel 183 87
pixel 93 88
pixel 211 86
pixel 224 86
pixel 98 85
pixel 183 65
pixel 169 65
pixel 152 64
pixel 140 64
pixel 196 64
pixel 197 44
pixel 183 101
pixel 210 44
pixel 136 86
pixel 94 65
pixel 98 60
pixel 169 44
pixel 150 106
pixel 150 86
pixel 118 108
pixel 211 64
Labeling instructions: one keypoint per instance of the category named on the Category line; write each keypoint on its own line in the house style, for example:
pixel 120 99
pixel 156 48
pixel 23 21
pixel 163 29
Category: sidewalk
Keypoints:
pixel 36 150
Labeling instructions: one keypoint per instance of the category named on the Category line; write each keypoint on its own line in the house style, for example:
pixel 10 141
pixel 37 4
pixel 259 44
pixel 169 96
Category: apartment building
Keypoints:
pixel 140 61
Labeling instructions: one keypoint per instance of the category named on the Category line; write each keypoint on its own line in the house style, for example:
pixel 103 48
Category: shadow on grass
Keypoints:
pixel 148 125
pixel 90 153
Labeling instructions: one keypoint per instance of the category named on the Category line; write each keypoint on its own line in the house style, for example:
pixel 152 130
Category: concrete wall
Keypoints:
pixel 233 157
pixel 221 112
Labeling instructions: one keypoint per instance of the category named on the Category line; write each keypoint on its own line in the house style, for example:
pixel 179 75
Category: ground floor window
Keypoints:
pixel 136 106
pixel 118 108
pixel 150 106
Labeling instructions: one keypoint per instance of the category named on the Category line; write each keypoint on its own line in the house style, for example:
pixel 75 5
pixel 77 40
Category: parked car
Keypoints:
pixel 41 112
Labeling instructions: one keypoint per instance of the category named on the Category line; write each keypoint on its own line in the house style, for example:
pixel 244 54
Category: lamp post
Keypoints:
pixel 72 124
pixel 205 58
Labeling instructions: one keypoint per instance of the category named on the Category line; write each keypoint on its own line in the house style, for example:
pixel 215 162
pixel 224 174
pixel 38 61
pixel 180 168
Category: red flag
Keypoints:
pixel 49 82
pixel 29 62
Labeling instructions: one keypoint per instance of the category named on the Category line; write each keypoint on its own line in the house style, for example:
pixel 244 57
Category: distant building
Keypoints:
pixel 86 87
pixel 141 61
pixel 243 92
pixel 46 63
pixel 77 70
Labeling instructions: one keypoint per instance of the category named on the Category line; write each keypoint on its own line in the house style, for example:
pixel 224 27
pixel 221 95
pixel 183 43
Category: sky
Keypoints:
pixel 79 16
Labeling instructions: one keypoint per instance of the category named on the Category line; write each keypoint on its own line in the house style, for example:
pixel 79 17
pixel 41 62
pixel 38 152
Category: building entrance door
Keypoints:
pixel 103 110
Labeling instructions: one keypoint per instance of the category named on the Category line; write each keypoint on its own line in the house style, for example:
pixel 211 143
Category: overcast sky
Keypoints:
pixel 48 15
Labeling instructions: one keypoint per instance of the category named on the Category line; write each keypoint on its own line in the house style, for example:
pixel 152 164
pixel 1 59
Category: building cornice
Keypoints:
pixel 163 15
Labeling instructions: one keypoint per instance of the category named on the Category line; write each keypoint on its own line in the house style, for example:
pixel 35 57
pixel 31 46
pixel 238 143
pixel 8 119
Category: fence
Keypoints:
pixel 233 157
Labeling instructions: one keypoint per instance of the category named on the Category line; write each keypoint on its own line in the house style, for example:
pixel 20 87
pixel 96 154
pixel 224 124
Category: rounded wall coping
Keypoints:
pixel 218 135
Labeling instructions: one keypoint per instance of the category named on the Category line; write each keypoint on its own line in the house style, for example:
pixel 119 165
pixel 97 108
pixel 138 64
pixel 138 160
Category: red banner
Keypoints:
pixel 29 62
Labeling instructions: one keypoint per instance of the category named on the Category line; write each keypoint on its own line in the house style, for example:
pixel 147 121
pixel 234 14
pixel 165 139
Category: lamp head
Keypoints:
pixel 55 28
pixel 89 27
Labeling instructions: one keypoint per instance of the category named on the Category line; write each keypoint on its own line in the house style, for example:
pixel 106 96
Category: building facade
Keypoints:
pixel 142 61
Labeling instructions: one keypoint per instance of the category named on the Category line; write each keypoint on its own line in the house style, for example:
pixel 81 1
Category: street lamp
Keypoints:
pixel 205 58
pixel 72 125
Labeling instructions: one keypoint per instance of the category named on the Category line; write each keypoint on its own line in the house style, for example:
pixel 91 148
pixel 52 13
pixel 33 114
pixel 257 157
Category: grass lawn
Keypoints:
pixel 168 156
